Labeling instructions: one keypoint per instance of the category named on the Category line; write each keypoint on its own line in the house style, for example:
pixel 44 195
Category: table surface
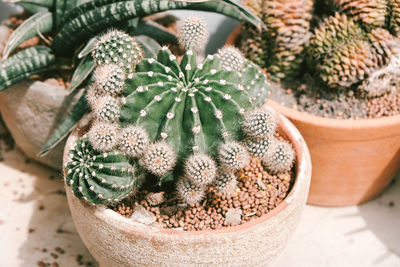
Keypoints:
pixel 36 226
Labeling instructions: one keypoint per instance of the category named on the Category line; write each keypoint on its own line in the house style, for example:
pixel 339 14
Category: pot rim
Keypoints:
pixel 308 118
pixel 108 216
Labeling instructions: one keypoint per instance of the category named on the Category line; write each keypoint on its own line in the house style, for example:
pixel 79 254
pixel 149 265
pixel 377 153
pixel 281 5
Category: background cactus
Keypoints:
pixel 183 121
pixel 342 53
pixel 280 47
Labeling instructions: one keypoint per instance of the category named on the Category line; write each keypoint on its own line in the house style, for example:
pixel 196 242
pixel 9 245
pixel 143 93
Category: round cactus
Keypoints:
pixel 133 141
pixel 103 136
pixel 192 33
pixel 110 78
pixel 226 182
pixel 259 124
pixel 259 147
pixel 231 58
pixel 93 94
pixel 200 169
pixel 233 156
pixel 371 13
pixel 189 192
pixel 119 48
pixel 100 178
pixel 159 158
pixel 279 157
pixel 107 108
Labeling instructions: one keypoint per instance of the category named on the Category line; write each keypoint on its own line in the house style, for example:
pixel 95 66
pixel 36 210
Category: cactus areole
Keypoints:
pixel 179 120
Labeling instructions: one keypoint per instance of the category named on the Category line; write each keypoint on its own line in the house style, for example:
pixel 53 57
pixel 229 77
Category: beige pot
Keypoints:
pixel 353 161
pixel 116 241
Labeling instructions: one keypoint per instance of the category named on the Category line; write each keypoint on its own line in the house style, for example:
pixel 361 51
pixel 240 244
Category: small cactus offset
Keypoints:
pixel 100 178
pixel 280 157
pixel 119 48
pixel 185 122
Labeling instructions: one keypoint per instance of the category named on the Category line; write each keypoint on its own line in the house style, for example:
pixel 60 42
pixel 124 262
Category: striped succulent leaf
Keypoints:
pixel 25 64
pixel 82 71
pixel 96 15
pixel 100 178
pixel 33 6
pixel 149 46
pixel 40 22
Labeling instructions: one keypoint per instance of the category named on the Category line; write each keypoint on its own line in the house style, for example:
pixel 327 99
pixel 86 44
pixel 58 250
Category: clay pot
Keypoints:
pixel 32 110
pixel 117 241
pixel 353 161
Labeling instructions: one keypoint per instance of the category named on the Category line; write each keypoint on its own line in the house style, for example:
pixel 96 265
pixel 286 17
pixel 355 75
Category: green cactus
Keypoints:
pixel 183 119
pixel 279 157
pixel 100 178
pixel 226 182
pixel 119 48
pixel 259 124
pixel 110 78
pixel 259 147
pixel 189 192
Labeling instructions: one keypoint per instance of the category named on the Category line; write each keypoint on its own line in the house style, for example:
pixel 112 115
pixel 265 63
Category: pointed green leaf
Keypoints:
pixel 82 71
pixel 41 22
pixel 150 46
pixel 90 45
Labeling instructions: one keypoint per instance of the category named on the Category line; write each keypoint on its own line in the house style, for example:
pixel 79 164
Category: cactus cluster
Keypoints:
pixel 280 47
pixel 186 122
pixel 343 53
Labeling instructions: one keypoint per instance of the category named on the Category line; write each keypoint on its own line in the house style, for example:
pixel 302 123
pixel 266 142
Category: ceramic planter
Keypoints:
pixel 117 241
pixel 32 110
pixel 353 161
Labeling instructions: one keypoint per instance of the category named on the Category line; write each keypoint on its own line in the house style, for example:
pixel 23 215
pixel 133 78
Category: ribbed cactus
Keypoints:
pixel 280 47
pixel 371 13
pixel 185 120
pixel 100 178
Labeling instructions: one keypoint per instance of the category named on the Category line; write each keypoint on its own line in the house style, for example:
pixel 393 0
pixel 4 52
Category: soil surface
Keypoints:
pixel 310 97
pixel 257 193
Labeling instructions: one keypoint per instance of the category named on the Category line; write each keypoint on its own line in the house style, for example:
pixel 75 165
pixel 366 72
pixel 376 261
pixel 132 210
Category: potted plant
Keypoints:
pixel 181 164
pixel 335 71
pixel 40 115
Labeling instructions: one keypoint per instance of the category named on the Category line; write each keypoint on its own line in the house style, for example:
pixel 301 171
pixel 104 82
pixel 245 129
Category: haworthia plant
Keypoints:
pixel 73 22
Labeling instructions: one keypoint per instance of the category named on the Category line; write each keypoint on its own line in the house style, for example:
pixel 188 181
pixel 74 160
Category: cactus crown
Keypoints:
pixel 182 119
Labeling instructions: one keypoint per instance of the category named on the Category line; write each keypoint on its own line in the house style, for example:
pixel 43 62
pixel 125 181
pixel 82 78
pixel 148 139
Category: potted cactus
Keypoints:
pixel 335 73
pixel 68 30
pixel 185 145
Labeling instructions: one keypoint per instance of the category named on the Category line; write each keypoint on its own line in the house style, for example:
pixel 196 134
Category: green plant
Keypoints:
pixel 279 48
pixel 188 119
pixel 74 27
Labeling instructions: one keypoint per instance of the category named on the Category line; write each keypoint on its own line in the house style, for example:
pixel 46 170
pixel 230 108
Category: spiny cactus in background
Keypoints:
pixel 280 157
pixel 119 48
pixel 342 53
pixel 184 119
pixel 100 178
pixel 280 47
pixel 192 34
pixel 371 13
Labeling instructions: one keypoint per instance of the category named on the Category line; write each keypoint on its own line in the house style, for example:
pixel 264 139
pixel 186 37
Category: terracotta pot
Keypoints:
pixel 353 161
pixel 117 241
